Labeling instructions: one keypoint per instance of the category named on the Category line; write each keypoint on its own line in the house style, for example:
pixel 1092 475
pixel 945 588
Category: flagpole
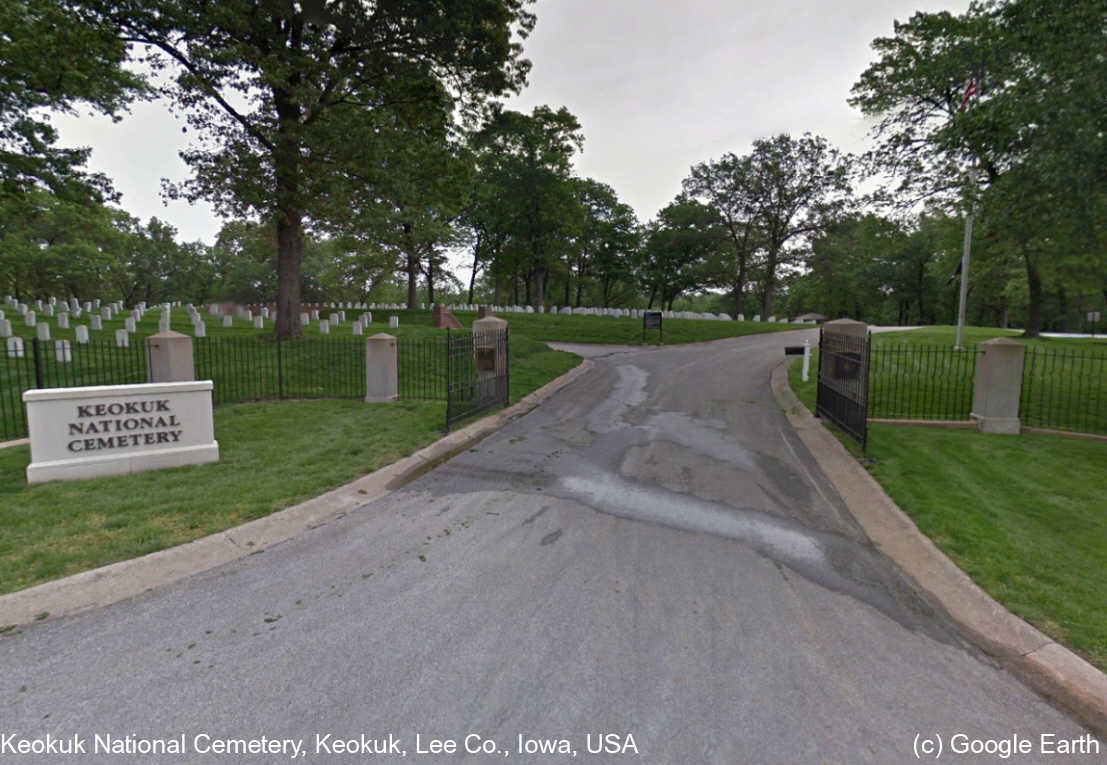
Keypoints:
pixel 966 249
pixel 966 254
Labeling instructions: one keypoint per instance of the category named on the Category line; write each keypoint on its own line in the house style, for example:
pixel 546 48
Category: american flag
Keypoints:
pixel 970 91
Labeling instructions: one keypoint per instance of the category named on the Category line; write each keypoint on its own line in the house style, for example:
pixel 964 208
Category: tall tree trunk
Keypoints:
pixel 290 245
pixel 290 215
pixel 568 279
pixel 539 287
pixel 739 286
pixel 430 279
pixel 412 268
pixel 770 282
pixel 580 289
pixel 1034 305
pixel 476 267
pixel 653 294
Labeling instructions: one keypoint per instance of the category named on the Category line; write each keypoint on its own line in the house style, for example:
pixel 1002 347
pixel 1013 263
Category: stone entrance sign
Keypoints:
pixel 115 429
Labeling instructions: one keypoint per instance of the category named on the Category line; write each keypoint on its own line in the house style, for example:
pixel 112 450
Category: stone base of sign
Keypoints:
pixel 118 429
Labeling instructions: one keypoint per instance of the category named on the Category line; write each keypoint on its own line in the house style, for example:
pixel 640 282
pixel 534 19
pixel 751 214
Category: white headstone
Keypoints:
pixel 393 322
pixel 82 334
pixel 5 327
pixel 357 328
pixel 305 319
pixel 62 351
pixel 122 338
pixel 265 312
pixel 248 315
pixel 30 317
pixel 741 317
pixel 15 347
pixel 63 321
pixel 129 324
pixel 315 315
pixel 333 320
pixel 97 322
pixel 200 329
pixel 324 327
pixel 43 331
pixel 342 317
pixel 228 320
pixel 757 317
pixel 259 323
pixel 48 310
pixel 163 324
pixel 367 318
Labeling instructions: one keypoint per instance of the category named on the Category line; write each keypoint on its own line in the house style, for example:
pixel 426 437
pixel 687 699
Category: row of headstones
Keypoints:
pixel 97 315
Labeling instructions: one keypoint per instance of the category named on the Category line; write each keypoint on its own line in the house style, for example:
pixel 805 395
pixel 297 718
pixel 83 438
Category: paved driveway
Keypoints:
pixel 652 552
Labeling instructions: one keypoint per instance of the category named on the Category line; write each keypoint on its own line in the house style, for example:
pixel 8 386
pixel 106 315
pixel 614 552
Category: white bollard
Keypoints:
pixel 806 359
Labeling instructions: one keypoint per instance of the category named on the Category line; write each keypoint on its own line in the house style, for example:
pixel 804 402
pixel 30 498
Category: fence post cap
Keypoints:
pixel 169 333
pixel 847 327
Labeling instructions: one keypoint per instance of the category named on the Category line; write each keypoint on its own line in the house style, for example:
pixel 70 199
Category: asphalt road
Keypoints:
pixel 652 552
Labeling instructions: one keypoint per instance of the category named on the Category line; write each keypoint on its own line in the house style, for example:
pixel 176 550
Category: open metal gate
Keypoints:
pixel 842 393
pixel 477 373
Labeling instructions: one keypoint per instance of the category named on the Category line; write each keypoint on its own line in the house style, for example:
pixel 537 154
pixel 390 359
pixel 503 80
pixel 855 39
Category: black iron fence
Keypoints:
pixel 265 369
pixel 241 368
pixel 921 382
pixel 60 364
pixel 1064 389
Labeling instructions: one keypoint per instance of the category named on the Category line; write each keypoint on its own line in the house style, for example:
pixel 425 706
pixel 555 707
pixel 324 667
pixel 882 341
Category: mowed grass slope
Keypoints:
pixel 272 455
pixel 1024 516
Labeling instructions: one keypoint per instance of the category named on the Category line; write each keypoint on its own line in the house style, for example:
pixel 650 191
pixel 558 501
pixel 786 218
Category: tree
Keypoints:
pixel 799 186
pixel 727 185
pixel 527 159
pixel 605 241
pixel 292 101
pixel 55 55
pixel 1033 131
pixel 685 236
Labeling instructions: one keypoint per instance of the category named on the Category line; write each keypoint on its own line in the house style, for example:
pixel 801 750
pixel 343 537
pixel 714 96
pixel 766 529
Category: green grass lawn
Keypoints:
pixel 1024 516
pixel 272 455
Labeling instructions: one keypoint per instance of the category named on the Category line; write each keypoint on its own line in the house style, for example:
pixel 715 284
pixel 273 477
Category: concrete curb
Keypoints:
pixel 16 442
pixel 125 579
pixel 1050 668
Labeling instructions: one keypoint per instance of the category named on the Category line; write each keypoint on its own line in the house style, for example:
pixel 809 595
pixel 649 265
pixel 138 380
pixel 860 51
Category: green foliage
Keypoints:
pixel 301 108
pixel 1032 133
pixel 54 55
pixel 686 237
pixel 525 163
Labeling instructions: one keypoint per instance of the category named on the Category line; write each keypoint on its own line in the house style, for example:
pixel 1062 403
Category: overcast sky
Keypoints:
pixel 657 86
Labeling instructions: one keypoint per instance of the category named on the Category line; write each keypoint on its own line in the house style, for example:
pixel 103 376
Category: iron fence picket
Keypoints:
pixel 1064 389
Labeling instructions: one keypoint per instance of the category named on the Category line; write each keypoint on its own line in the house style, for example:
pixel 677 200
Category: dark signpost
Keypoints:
pixel 652 320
